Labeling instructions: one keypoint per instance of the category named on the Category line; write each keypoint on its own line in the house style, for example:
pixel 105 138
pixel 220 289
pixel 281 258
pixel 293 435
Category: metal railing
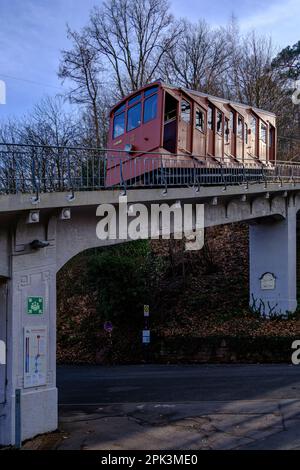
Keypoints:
pixel 39 169
pixel 288 148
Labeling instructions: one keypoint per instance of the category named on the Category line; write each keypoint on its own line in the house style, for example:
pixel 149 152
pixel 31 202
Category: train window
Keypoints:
pixel 120 109
pixel 134 99
pixel 246 133
pixel 231 121
pixel 263 133
pixel 240 127
pixel 134 117
pixel 170 108
pixel 253 125
pixel 200 120
pixel 150 108
pixel 219 122
pixel 151 90
pixel 210 118
pixel 119 125
pixel 185 111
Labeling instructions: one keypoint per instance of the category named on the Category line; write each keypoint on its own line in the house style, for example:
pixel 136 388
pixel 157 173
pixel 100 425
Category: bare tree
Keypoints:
pixel 199 58
pixel 255 81
pixel 50 125
pixel 104 103
pixel 133 36
pixel 50 130
pixel 14 168
pixel 82 66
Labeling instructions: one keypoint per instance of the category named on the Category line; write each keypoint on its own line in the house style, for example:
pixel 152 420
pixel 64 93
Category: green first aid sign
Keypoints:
pixel 35 305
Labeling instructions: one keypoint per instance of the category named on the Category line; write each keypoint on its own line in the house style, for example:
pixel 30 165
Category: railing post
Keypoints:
pixel 164 180
pixel 33 177
pixel 222 175
pixel 71 187
pixel 277 172
pixel 196 179
pixel 292 176
pixel 264 176
pixel 104 171
pixel 245 180
pixel 121 178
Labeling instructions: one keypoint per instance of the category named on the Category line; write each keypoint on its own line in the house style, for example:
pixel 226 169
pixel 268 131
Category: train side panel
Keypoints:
pixel 168 127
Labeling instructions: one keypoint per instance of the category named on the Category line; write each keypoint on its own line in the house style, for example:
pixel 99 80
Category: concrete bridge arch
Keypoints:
pixel 271 213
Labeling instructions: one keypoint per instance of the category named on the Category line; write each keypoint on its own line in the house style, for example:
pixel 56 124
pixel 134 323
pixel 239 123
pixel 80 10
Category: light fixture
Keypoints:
pixel 65 213
pixel 128 148
pixel 38 244
pixel 33 217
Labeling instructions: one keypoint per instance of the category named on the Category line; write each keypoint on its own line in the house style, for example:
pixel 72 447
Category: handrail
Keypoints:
pixel 41 168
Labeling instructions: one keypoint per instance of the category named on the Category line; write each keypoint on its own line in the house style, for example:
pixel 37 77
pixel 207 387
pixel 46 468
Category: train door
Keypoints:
pixel 246 139
pixel 185 127
pixel 263 141
pixel 170 123
pixel 227 143
pixel 199 140
pixel 211 130
pixel 232 133
pixel 219 133
pixel 271 143
pixel 240 138
pixel 253 144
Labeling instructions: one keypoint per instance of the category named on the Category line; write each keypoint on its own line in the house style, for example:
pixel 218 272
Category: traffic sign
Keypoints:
pixel 146 310
pixel 146 336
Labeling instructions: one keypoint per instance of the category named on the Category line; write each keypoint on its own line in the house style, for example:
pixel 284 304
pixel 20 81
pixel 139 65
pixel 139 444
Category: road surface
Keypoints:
pixel 172 383
pixel 169 407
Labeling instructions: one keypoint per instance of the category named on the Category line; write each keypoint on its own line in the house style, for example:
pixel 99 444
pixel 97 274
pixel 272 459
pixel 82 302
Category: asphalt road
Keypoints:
pixel 179 407
pixel 83 385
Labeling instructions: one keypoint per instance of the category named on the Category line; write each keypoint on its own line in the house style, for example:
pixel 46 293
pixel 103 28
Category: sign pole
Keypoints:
pixel 146 330
pixel 18 420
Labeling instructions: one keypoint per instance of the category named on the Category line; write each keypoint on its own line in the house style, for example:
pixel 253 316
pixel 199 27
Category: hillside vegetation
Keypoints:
pixel 198 304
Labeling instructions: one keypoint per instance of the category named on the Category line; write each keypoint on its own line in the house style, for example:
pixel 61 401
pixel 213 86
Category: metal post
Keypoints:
pixel 18 421
pixel 146 332
pixel 122 179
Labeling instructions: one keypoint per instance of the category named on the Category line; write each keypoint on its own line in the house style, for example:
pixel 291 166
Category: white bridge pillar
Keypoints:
pixel 31 333
pixel 273 265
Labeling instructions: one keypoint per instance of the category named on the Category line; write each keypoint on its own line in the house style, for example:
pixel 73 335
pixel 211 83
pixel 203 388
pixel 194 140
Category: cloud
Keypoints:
pixel 269 16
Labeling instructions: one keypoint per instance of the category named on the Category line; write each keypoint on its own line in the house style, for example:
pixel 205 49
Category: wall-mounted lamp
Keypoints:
pixel 65 213
pixel 33 217
pixel 38 244
pixel 128 148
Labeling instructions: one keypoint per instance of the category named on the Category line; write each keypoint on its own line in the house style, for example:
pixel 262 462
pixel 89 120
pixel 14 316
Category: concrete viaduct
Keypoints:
pixel 67 226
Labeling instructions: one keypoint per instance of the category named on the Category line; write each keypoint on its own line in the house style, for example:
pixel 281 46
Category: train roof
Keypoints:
pixel 200 94
pixel 225 101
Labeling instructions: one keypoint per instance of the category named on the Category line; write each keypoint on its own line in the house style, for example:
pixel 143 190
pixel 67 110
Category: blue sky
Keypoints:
pixel 32 33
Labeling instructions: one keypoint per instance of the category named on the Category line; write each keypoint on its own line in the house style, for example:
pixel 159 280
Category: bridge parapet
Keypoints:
pixel 40 169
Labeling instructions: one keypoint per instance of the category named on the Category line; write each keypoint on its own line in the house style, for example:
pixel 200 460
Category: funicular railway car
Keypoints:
pixel 165 132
